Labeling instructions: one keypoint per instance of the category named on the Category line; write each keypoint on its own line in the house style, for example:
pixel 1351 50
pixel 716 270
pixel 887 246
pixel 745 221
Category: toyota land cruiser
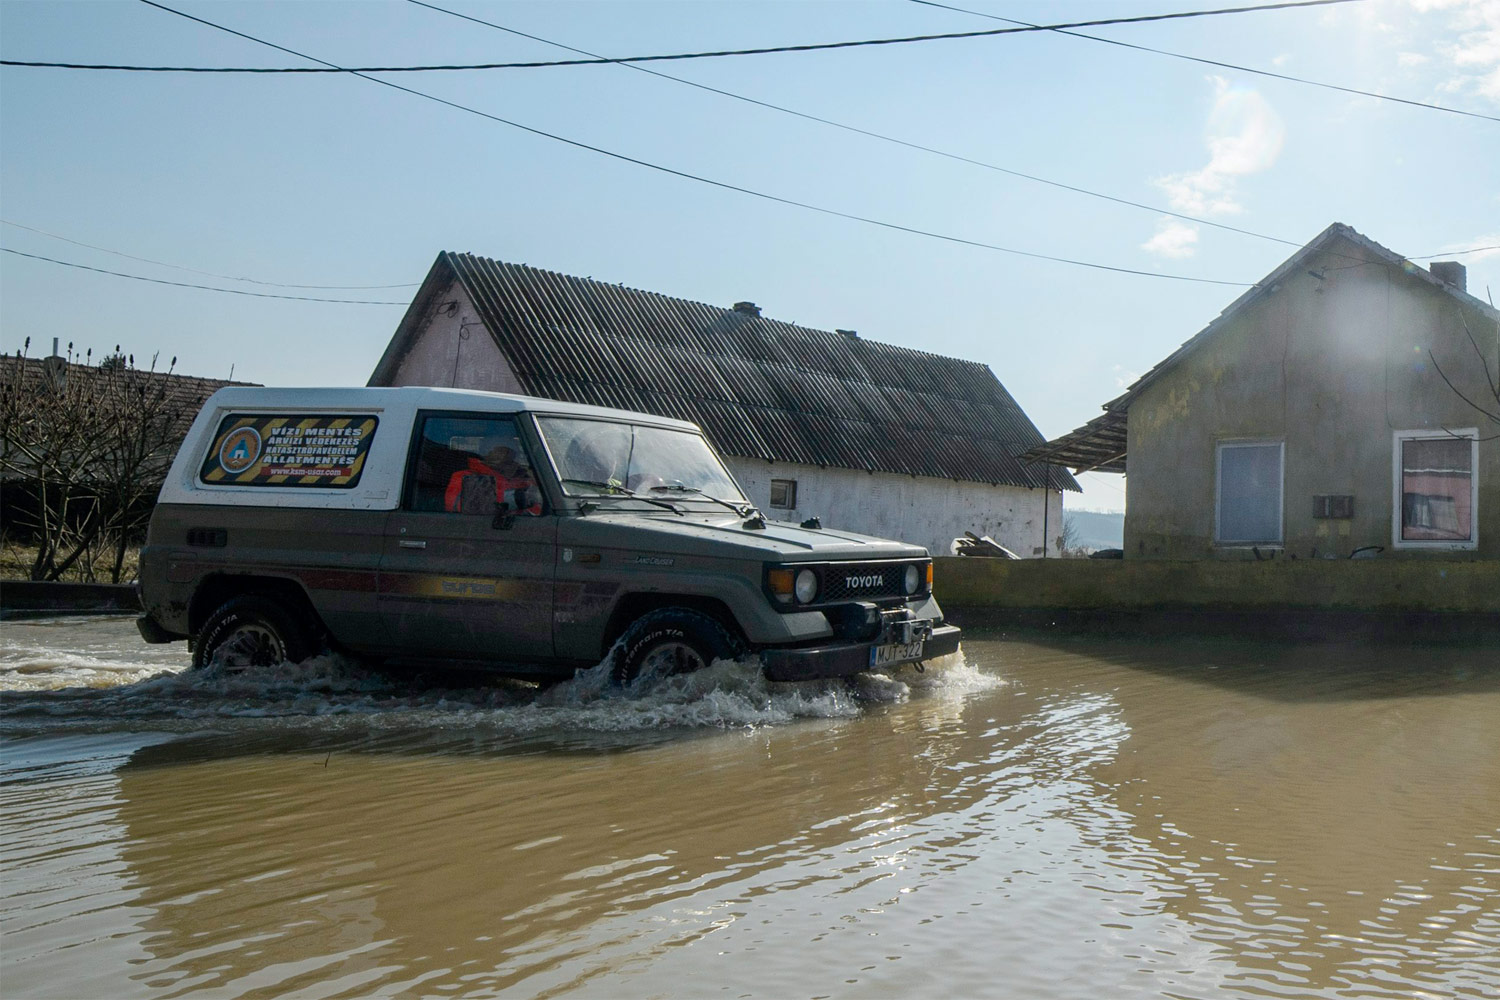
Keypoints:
pixel 524 535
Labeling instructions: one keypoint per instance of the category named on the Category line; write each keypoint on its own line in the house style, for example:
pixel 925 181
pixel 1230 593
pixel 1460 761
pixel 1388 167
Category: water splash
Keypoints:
pixel 46 690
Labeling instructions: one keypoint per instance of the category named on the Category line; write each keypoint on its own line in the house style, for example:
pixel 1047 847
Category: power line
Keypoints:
pixel 194 270
pixel 1223 65
pixel 901 142
pixel 722 185
pixel 1453 253
pixel 876 135
pixel 206 288
pixel 602 60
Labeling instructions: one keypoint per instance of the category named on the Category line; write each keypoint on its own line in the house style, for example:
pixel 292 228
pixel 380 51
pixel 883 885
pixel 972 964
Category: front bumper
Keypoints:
pixel 842 659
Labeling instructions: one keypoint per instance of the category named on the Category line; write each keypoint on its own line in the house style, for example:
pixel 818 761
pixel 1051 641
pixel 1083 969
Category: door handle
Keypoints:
pixel 411 543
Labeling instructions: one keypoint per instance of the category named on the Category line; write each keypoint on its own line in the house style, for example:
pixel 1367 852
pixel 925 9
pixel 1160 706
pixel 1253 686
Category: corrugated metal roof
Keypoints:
pixel 758 387
pixel 1097 446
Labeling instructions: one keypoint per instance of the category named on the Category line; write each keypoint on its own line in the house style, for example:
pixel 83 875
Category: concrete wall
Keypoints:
pixel 1325 585
pixel 924 511
pixel 1332 367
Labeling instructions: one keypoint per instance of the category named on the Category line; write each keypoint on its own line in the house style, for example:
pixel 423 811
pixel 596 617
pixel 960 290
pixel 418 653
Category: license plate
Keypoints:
pixel 896 652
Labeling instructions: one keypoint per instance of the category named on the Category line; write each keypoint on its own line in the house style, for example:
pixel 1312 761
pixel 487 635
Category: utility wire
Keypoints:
pixel 206 288
pixel 601 60
pixel 876 135
pixel 1453 253
pixel 903 142
pixel 194 270
pixel 1223 65
pixel 722 185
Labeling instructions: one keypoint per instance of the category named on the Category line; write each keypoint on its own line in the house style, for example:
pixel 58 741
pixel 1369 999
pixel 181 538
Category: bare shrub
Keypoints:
pixel 92 445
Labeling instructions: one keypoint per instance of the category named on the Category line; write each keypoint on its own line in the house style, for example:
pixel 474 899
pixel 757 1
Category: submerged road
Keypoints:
pixel 1047 817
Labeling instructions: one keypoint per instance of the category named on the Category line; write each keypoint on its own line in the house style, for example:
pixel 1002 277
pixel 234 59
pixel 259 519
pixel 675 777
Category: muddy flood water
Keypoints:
pixel 1045 817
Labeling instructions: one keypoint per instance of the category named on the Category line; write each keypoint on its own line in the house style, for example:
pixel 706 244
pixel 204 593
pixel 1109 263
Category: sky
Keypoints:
pixel 333 180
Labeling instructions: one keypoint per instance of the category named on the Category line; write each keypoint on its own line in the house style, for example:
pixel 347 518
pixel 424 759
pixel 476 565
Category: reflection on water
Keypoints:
pixel 1066 818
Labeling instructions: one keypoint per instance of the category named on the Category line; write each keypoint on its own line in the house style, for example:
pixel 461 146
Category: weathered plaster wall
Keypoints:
pixel 923 511
pixel 453 349
pixel 1333 367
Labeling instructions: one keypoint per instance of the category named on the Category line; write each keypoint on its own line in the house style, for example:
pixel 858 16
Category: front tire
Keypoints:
pixel 670 641
pixel 251 631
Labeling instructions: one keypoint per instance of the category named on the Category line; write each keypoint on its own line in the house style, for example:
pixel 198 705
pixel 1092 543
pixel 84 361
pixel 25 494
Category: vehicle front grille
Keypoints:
pixel 862 582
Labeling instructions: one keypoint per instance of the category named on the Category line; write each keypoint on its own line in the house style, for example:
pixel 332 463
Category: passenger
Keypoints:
pixel 513 482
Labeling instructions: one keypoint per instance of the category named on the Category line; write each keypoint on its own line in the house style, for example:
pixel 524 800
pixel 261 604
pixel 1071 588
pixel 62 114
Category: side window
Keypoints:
pixel 1249 493
pixel 472 465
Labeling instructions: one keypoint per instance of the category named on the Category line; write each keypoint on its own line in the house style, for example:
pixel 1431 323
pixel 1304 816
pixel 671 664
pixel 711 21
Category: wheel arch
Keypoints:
pixel 634 605
pixel 214 590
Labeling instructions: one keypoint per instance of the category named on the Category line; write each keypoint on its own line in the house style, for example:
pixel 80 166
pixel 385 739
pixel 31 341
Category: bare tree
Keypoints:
pixel 92 444
pixel 1487 400
pixel 1067 542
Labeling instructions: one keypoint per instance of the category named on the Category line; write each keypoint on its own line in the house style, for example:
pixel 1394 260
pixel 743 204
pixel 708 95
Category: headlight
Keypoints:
pixel 913 579
pixel 807 586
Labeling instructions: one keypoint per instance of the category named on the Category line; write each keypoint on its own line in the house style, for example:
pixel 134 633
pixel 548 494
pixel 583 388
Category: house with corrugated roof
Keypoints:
pixel 865 436
pixel 1347 404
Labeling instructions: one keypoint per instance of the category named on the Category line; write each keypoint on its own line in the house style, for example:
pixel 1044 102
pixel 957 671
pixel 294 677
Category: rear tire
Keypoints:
pixel 670 641
pixel 252 631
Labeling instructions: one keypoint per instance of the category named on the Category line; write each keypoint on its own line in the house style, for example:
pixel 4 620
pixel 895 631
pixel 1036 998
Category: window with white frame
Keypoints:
pixel 1436 489
pixel 1248 500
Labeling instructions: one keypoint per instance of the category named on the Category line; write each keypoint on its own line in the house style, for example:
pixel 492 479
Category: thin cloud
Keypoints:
pixel 1474 50
pixel 1244 136
pixel 1174 238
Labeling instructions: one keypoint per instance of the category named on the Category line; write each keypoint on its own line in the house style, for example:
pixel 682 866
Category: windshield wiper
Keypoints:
pixel 616 490
pixel 742 509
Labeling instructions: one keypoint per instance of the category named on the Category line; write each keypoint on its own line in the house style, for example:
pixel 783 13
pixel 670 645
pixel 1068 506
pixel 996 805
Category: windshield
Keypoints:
pixel 603 458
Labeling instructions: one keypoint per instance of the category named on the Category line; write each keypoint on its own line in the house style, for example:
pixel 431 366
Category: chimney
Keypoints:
pixel 748 308
pixel 851 334
pixel 1451 273
pixel 55 369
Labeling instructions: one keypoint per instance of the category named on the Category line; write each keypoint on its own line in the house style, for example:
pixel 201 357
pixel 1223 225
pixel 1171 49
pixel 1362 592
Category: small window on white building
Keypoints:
pixel 784 494
pixel 1437 489
pixel 1249 494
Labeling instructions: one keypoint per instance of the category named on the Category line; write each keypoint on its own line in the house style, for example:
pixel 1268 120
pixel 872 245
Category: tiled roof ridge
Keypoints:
pixel 148 372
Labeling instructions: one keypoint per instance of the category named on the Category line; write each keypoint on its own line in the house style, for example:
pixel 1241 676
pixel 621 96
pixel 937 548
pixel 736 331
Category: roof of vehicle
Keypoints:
pixel 379 483
pixel 412 398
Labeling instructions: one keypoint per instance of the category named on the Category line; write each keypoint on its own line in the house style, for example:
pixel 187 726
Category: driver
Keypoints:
pixel 513 482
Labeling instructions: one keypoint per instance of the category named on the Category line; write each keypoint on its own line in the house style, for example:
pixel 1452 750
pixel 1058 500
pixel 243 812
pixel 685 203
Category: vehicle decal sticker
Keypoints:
pixel 459 588
pixel 299 450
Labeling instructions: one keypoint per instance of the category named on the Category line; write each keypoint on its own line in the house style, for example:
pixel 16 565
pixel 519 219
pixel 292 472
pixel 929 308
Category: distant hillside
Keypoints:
pixel 1097 529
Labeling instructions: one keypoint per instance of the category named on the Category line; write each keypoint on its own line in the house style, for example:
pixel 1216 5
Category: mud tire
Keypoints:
pixel 265 632
pixel 670 641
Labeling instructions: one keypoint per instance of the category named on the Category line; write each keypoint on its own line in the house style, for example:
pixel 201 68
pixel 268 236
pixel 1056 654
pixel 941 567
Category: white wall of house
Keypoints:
pixel 922 510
